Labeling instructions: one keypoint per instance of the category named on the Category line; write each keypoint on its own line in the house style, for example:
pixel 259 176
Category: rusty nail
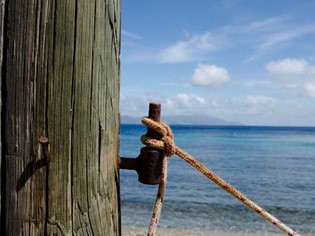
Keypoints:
pixel 45 146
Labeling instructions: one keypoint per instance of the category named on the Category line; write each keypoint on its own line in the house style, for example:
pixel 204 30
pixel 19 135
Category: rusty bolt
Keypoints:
pixel 150 159
pixel 149 163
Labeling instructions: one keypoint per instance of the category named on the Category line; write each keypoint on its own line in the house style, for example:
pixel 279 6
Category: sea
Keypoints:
pixel 273 166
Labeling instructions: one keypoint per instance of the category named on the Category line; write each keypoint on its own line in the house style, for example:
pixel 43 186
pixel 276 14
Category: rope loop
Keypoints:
pixel 166 143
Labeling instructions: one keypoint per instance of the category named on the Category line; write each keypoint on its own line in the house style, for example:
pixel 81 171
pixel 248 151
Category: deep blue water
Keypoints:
pixel 274 166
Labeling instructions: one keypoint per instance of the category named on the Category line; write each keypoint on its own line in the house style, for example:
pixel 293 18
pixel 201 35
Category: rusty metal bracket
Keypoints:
pixel 149 163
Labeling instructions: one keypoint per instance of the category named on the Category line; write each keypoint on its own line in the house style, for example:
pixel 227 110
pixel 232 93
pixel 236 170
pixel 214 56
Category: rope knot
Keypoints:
pixel 166 143
pixel 169 146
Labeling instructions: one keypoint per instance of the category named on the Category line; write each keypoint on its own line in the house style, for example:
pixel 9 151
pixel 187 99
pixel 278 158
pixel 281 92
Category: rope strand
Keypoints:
pixel 159 200
pixel 167 144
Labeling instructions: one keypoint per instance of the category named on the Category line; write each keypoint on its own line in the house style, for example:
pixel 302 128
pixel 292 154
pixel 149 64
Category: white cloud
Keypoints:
pixel 295 75
pixel 239 108
pixel 288 68
pixel 310 89
pixel 256 38
pixel 190 100
pixel 272 34
pixel 266 25
pixel 286 35
pixel 129 39
pixel 126 34
pixel 183 103
pixel 193 48
pixel 259 104
pixel 178 104
pixel 248 109
pixel 209 75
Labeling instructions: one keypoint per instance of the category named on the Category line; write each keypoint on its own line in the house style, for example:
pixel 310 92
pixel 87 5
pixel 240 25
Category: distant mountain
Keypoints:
pixel 183 120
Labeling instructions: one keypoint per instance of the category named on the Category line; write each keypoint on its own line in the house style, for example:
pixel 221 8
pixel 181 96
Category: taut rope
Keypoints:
pixel 167 144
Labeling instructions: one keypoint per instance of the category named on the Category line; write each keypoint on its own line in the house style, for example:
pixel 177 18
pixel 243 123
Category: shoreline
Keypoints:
pixel 128 230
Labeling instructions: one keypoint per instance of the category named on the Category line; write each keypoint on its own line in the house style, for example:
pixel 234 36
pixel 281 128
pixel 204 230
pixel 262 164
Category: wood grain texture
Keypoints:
pixel 62 82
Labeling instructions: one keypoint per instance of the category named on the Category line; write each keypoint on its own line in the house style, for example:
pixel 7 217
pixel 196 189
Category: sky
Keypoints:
pixel 250 62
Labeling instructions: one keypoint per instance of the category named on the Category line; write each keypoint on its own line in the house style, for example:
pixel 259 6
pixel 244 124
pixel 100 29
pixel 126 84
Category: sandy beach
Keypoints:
pixel 141 231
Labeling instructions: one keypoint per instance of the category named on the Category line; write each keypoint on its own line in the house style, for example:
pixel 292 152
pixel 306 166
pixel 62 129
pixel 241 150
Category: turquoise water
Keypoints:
pixel 274 166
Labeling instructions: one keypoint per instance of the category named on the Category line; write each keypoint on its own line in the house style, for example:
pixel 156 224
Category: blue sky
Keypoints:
pixel 251 62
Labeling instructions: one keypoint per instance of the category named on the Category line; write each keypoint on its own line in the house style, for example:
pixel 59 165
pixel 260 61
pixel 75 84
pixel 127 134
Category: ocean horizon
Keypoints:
pixel 138 123
pixel 272 165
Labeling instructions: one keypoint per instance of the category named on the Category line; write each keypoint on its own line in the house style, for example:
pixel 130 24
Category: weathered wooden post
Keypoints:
pixel 60 92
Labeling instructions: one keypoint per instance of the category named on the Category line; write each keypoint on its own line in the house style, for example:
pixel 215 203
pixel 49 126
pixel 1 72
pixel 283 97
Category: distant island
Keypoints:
pixel 183 120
